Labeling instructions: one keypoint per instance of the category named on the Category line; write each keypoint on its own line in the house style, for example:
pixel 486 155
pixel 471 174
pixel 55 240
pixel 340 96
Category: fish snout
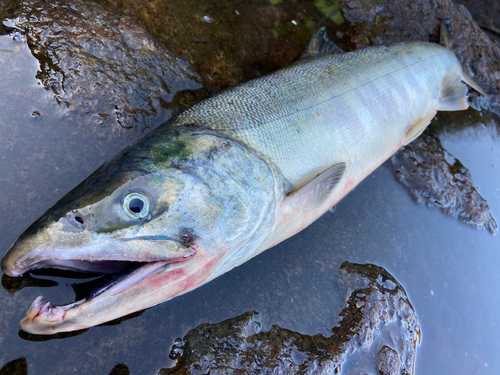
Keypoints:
pixel 28 250
pixel 23 253
pixel 11 262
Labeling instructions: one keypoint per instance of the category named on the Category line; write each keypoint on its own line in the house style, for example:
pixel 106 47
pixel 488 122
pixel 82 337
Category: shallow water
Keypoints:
pixel 449 270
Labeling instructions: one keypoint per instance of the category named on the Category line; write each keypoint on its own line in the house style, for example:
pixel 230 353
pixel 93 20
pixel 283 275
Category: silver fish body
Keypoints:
pixel 234 175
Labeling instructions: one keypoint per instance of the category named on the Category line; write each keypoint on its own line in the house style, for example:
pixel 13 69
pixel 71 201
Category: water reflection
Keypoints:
pixel 14 284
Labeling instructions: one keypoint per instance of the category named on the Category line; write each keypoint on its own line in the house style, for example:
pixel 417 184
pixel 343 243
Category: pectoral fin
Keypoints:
pixel 314 193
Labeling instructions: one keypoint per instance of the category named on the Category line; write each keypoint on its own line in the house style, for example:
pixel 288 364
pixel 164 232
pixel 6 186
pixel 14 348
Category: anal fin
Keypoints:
pixel 314 193
pixel 418 126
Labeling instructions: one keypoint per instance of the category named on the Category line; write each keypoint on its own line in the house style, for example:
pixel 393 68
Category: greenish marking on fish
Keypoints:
pixel 176 149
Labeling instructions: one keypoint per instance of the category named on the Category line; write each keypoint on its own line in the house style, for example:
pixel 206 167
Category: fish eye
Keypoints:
pixel 76 220
pixel 136 205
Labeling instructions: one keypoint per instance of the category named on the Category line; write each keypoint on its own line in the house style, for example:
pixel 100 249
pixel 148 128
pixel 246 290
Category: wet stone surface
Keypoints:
pixel 437 178
pixel 15 367
pixel 106 70
pixel 389 361
pixel 487 15
pixel 241 346
pixel 231 41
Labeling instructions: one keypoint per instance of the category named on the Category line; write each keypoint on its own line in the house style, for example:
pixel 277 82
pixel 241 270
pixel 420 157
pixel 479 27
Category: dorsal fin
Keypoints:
pixel 320 45
pixel 446 38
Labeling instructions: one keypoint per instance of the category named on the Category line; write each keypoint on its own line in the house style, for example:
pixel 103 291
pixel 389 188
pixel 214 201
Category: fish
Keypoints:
pixel 234 175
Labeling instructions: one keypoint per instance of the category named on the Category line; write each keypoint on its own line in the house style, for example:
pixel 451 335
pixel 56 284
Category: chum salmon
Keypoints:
pixel 235 175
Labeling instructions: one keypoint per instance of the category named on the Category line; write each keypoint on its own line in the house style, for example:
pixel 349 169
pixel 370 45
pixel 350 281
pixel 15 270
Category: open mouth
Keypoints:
pixel 139 274
pixel 122 275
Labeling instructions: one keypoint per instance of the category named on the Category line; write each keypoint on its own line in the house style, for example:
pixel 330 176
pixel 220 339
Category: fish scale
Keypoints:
pixel 319 112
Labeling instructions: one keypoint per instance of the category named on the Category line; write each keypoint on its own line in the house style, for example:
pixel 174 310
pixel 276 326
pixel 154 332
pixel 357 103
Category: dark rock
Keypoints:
pixel 8 9
pixel 108 71
pixel 389 361
pixel 241 346
pixel 423 167
pixel 230 41
pixel 487 15
pixel 16 367
pixel 120 369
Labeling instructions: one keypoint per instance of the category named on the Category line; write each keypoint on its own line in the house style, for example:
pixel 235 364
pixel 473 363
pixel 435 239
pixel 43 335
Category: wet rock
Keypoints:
pixel 241 346
pixel 120 369
pixel 389 361
pixel 16 367
pixel 8 9
pixel 230 41
pixel 106 70
pixel 436 178
pixel 375 22
pixel 487 15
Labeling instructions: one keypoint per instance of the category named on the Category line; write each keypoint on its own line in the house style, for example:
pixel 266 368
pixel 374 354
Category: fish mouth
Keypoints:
pixel 44 317
pixel 134 279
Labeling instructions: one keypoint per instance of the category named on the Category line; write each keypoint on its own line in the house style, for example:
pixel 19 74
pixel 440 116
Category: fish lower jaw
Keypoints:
pixel 139 288
pixel 44 317
pixel 45 310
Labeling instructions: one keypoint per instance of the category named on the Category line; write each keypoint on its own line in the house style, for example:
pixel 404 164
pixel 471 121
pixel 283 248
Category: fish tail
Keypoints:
pixel 453 93
pixel 447 40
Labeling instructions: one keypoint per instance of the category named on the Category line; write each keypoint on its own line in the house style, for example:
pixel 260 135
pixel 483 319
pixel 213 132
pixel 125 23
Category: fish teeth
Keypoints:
pixel 42 309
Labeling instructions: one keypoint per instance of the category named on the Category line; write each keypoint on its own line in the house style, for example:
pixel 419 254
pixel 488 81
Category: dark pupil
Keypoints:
pixel 136 205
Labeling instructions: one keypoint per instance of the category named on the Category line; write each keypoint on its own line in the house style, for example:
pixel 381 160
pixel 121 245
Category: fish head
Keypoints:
pixel 176 206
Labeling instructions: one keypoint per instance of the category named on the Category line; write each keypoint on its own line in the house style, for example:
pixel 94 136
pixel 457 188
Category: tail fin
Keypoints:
pixel 447 40
pixel 453 93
